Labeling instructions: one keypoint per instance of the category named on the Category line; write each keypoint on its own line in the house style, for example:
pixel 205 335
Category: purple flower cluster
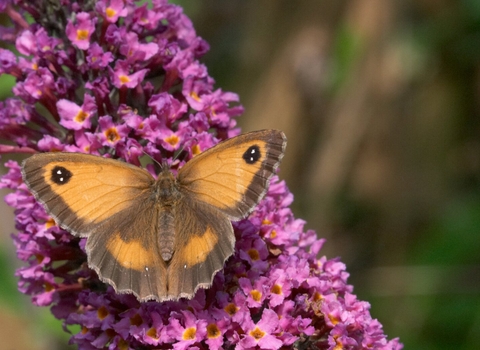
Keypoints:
pixel 121 79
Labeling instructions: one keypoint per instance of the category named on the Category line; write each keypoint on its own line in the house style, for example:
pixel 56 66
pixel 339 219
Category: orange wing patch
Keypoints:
pixel 224 177
pixel 91 197
pixel 132 254
pixel 198 248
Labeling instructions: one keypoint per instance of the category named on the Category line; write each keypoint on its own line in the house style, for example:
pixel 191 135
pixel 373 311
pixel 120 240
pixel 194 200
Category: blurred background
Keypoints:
pixel 380 101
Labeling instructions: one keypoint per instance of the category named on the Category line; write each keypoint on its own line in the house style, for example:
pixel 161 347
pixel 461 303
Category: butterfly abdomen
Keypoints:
pixel 166 196
pixel 166 233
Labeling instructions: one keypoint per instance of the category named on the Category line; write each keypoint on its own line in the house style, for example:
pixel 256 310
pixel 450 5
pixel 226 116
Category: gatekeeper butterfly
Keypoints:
pixel 163 238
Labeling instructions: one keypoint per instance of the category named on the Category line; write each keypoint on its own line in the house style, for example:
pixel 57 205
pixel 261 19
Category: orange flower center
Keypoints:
pixel 152 333
pixel 109 12
pixel 112 135
pixel 122 345
pixel 189 333
pixel 48 287
pixel 136 320
pixel 196 150
pixel 50 223
pixel 276 289
pixel 172 140
pixel 81 116
pixel 231 309
pixel 195 96
pixel 256 295
pixel 334 319
pixel 39 258
pixel 82 34
pixel 102 312
pixel 124 79
pixel 253 254
pixel 317 296
pixel 257 333
pixel 213 331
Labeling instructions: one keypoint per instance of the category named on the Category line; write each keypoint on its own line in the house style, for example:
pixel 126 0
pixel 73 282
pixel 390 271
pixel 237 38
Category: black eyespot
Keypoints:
pixel 61 175
pixel 252 155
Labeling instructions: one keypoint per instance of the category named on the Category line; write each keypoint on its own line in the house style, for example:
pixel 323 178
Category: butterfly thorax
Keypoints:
pixel 166 191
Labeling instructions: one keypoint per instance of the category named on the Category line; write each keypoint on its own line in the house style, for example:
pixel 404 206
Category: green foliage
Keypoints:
pixel 8 292
pixel 453 239
pixel 6 84
pixel 348 46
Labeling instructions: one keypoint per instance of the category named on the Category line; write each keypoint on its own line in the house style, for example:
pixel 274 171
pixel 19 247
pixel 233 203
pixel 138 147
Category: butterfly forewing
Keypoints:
pixel 234 175
pixel 80 191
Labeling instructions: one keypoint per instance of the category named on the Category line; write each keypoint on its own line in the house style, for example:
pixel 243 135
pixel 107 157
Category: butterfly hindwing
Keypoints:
pixel 80 191
pixel 124 251
pixel 204 240
pixel 234 175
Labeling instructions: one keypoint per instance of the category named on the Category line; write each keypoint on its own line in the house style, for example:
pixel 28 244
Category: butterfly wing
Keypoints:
pixel 204 240
pixel 111 203
pixel 125 253
pixel 234 175
pixel 80 191
pixel 223 183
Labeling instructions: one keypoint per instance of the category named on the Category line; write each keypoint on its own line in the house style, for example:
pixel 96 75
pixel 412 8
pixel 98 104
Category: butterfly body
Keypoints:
pixel 158 238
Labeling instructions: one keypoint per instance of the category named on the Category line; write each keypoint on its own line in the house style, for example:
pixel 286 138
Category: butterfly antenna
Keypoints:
pixel 186 144
pixel 161 165
pixel 177 153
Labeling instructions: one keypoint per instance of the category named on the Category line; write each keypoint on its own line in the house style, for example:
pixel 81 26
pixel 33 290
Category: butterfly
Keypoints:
pixel 160 239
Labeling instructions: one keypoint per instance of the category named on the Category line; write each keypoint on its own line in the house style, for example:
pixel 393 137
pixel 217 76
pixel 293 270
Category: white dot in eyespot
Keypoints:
pixel 184 266
pixel 253 151
pixel 146 269
pixel 59 172
pixel 61 179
